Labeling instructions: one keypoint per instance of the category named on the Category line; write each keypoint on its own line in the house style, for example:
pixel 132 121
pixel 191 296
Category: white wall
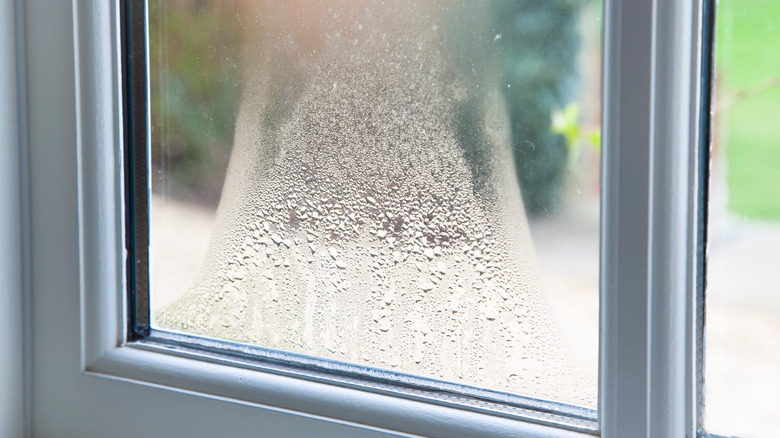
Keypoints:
pixel 11 350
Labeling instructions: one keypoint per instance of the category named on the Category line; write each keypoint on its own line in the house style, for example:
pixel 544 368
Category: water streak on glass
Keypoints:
pixel 376 207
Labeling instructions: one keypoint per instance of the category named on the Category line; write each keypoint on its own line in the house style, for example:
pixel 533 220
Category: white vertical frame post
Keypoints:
pixel 12 358
pixel 651 121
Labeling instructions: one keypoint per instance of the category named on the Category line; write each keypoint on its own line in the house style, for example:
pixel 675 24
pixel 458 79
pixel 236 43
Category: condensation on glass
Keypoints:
pixel 742 330
pixel 372 209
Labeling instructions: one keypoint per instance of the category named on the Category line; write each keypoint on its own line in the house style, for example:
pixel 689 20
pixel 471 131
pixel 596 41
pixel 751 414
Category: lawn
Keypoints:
pixel 748 131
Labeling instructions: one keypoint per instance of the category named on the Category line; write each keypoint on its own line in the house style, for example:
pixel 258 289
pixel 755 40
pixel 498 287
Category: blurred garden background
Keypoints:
pixel 194 96
pixel 195 92
pixel 742 338
pixel 747 108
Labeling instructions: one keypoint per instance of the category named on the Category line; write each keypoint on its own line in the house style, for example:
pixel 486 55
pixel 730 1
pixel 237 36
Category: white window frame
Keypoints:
pixel 62 255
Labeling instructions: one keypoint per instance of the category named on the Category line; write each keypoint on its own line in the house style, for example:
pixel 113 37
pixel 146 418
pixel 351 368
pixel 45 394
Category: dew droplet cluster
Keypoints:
pixel 357 226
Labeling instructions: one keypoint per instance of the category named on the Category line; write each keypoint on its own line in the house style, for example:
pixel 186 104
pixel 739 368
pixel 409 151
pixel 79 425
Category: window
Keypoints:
pixel 371 213
pixel 85 380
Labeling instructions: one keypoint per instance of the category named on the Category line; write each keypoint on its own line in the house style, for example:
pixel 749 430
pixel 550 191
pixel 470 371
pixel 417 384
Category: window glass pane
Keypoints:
pixel 407 185
pixel 742 382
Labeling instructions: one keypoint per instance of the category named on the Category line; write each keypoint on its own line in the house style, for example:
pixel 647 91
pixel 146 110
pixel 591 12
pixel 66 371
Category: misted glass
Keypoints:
pixel 742 330
pixel 409 185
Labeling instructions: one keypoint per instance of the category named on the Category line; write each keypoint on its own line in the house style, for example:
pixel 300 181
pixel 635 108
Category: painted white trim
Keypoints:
pixel 51 132
pixel 12 375
pixel 673 212
pixel 626 85
pixel 650 113
pixel 317 400
pixel 98 113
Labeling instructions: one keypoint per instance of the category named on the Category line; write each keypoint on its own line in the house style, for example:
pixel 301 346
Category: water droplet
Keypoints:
pixel 384 324
pixel 426 285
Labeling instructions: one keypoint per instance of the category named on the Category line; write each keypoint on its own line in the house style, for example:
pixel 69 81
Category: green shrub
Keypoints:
pixel 540 42
pixel 194 79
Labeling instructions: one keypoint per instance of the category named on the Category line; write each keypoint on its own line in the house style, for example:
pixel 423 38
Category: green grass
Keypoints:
pixel 747 57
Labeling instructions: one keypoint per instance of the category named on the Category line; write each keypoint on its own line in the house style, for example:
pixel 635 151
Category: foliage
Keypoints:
pixel 539 40
pixel 566 122
pixel 747 43
pixel 195 93
pixel 194 96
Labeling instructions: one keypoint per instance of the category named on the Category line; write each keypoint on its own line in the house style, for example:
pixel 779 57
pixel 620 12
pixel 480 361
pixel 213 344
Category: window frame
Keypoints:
pixel 86 380
pixel 12 230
